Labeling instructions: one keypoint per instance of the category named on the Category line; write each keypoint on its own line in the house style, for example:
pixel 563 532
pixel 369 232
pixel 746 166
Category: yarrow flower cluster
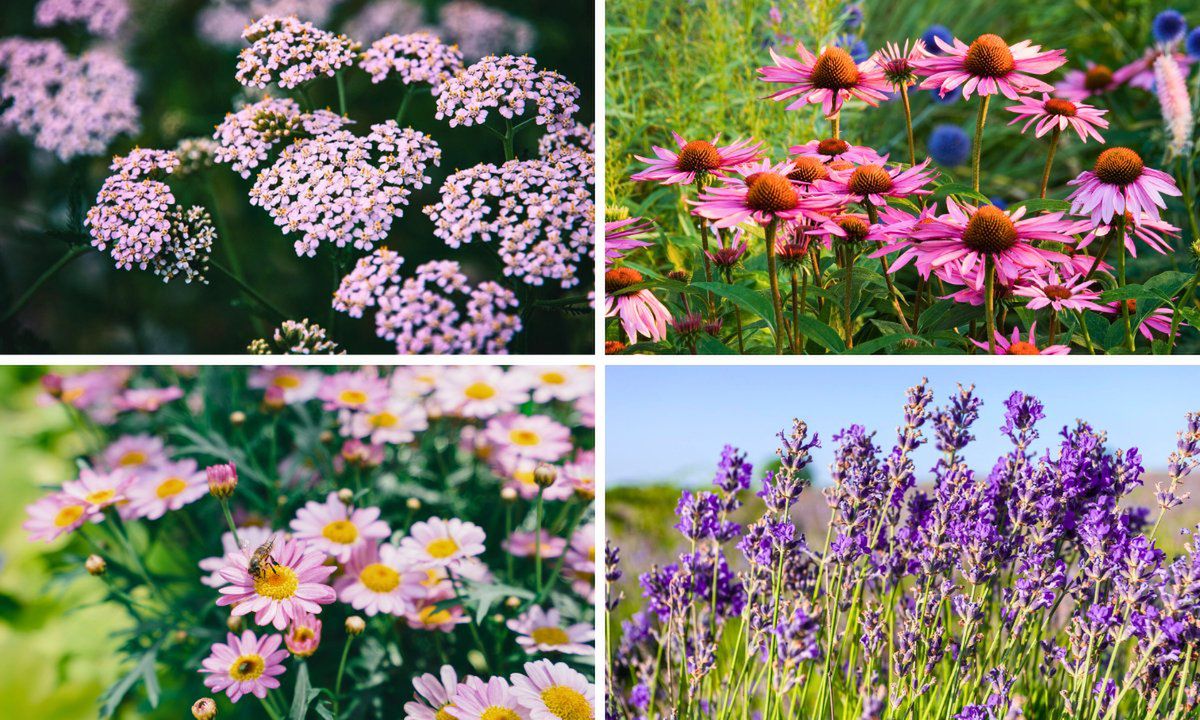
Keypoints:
pixel 102 18
pixel 244 138
pixel 508 85
pixel 419 58
pixel 483 30
pixel 288 52
pixel 296 337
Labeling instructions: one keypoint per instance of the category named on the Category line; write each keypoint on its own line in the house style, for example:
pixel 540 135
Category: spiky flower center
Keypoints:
pixel 550 636
pixel 618 279
pixel 990 231
pixel 612 347
pixel 479 391
pixel 698 156
pixel 278 583
pixel 247 667
pixel 726 257
pixel 1057 292
pixel 834 70
pixel 1058 106
pixel 989 56
pixel 170 487
pixel 566 703
pixel 832 147
pixel 379 578
pixel 1098 78
pixel 870 180
pixel 342 532
pixel 442 548
pixel 807 170
pixel 770 192
pixel 855 227
pixel 1021 347
pixel 1118 166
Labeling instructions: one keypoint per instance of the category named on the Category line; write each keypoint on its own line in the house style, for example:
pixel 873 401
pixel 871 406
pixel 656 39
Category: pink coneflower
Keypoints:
pixel 898 64
pixel 728 252
pixel 988 66
pixel 1120 182
pixel 293 384
pixel 553 691
pixel 518 474
pixel 1140 72
pixel 479 391
pixel 1016 346
pixel 251 536
pixel 134 452
pixel 1079 85
pixel 431 701
pixel 1158 321
pixel 831 150
pixel 524 544
pixel 874 184
pixel 248 665
pixel 640 312
pixel 303 636
pixel 441 543
pixel 1144 228
pixel 966 236
pixel 146 399
pixel 493 700
pixel 97 491
pixel 542 631
pixel 378 579
pixel 536 437
pixel 763 194
pixel 828 79
pixel 338 529
pixel 621 236
pixel 353 390
pixel 293 584
pixel 168 487
pixel 1072 293
pixel 395 421
pixel 1058 114
pixel 696 160
pixel 429 616
pixel 55 514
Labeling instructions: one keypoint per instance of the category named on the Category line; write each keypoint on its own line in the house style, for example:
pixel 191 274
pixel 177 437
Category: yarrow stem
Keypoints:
pixel 59 264
pixel 977 150
pixel 249 291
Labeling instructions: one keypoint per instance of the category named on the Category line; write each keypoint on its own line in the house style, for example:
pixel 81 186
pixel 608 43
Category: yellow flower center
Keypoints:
pixel 101 497
pixel 69 515
pixel 479 391
pixel 342 532
pixel 430 615
pixel 432 578
pixel 524 437
pixel 353 397
pixel 302 634
pixel 566 703
pixel 70 396
pixel 383 420
pixel 247 667
pixel 592 553
pixel 133 457
pixel 286 382
pixel 442 714
pixel 550 636
pixel 278 583
pixel 442 548
pixel 170 487
pixel 553 378
pixel 379 578
pixel 495 712
pixel 525 477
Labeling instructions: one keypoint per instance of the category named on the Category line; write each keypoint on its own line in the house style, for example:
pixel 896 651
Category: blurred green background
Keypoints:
pixel 187 87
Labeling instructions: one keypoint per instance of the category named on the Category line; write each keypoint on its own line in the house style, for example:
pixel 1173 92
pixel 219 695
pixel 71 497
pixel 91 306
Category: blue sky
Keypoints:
pixel 669 423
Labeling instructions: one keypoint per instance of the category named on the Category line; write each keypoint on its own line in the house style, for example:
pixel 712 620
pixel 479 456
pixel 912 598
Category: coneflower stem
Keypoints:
pixel 1121 283
pixel 1087 336
pixel 1049 162
pixel 912 148
pixel 1100 255
pixel 59 264
pixel 803 304
pixel 835 125
pixel 737 314
pixel 707 262
pixel 337 685
pixel 795 316
pixel 776 301
pixel 989 298
pixel 847 259
pixel 977 150
pixel 537 542
pixel 873 215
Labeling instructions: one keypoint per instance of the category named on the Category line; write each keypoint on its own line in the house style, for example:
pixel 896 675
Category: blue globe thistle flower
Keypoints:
pixel 949 145
pixel 998 202
pixel 857 48
pixel 1168 26
pixel 936 31
pixel 950 98
pixel 853 18
pixel 1193 43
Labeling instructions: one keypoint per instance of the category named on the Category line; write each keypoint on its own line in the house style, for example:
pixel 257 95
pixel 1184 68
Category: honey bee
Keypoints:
pixel 261 562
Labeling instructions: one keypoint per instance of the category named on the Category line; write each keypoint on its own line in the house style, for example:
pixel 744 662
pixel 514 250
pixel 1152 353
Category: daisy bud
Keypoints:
pixel 545 475
pixel 326 437
pixel 235 623
pixel 346 495
pixel 586 492
pixel 498 618
pixel 412 504
pixel 52 383
pixel 95 565
pixel 508 494
pixel 513 602
pixel 180 636
pixel 355 625
pixel 273 399
pixel 222 480
pixel 204 709
pixel 237 418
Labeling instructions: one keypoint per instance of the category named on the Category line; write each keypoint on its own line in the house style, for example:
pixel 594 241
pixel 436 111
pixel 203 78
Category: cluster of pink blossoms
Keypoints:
pixel 544 691
pixel 222 22
pixel 102 18
pixel 417 58
pixel 435 311
pixel 387 17
pixel 68 105
pixel 482 30
pixel 510 85
pixel 342 188
pixel 135 213
pixel 288 52
pixel 245 137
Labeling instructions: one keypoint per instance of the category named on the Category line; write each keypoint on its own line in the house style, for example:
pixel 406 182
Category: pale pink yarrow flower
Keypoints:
pixel 542 631
pixel 288 52
pixel 544 683
pixel 168 487
pixel 338 529
pixel 482 29
pixel 526 544
pixel 1120 182
pixel 536 437
pixel 828 79
pixel 246 665
pixel 640 312
pixel 438 543
pixel 1157 234
pixel 378 579
pixel 432 694
pixel 55 514
pixel 987 66
pixel 510 86
pixel 244 138
pixel 1016 346
pixel 1058 114
pixel 492 700
pixel 102 18
pixel 1058 293
pixel 695 160
pixel 296 583
pixel 419 57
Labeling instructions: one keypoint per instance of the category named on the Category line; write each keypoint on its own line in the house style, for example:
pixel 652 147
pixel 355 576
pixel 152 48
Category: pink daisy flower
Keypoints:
pixel 55 514
pixel 988 66
pixel 524 544
pixel 429 616
pixel 580 471
pixel 441 543
pixel 433 695
pixel 134 452
pixel 295 584
pixel 294 385
pixel 1016 346
pixel 91 392
pixel 303 636
pixel 354 390
pixel 554 691
pixel 695 160
pixel 874 184
pixel 146 399
pixel 1144 228
pixel 97 491
pixel 543 631
pixel 493 700
pixel 168 487
pixel 251 536
pixel 621 236
pixel 966 235
pixel 536 437
pixel 1058 114
pixel 1120 182
pixel 562 383
pixel 1073 293
pixel 394 422
pixel 831 150
pixel 581 561
pixel 338 529
pixel 517 473
pixel 763 194
pixel 378 580
pixel 248 665
pixel 1079 85
pixel 479 391
pixel 828 79
pixel 640 312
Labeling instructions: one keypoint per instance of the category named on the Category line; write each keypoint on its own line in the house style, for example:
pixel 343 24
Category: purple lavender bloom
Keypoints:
pixel 783 488
pixel 733 472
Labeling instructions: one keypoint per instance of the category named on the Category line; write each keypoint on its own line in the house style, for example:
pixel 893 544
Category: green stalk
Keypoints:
pixel 341 86
pixel 337 686
pixel 229 520
pixel 1129 343
pixel 908 124
pixel 59 264
pixel 977 150
pixel 1049 162
pixel 773 276
pixel 989 299
pixel 249 291
pixel 873 214
pixel 537 547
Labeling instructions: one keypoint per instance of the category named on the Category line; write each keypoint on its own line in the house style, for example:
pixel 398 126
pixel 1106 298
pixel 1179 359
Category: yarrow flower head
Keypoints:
pixel 1058 114
pixel 828 79
pixel 509 85
pixel 288 52
pixel 244 138
pixel 102 18
pixel 988 66
pixel 1120 182
pixel 481 29
pixel 696 160
pixel 419 58
pixel 292 583
pixel 246 665
pixel 295 337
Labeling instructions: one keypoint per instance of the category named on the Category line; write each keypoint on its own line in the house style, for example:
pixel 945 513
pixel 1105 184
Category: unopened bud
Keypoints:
pixel 498 619
pixel 204 709
pixel 235 623
pixel 682 276
pixel 326 436
pixel 273 399
pixel 95 565
pixel 355 625
pixel 237 418
pixel 508 494
pixel 346 495
pixel 52 383
pixel 545 475
pixel 513 601
pixel 412 504
pixel 222 480
pixel 180 636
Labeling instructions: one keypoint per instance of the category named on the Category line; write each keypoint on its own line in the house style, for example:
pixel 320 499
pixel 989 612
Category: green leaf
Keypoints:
pixel 708 345
pixel 820 333
pixel 1036 205
pixel 749 300
pixel 324 710
pixel 1168 284
pixel 946 315
pixel 304 694
pixel 143 670
pixel 879 344
pixel 961 190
